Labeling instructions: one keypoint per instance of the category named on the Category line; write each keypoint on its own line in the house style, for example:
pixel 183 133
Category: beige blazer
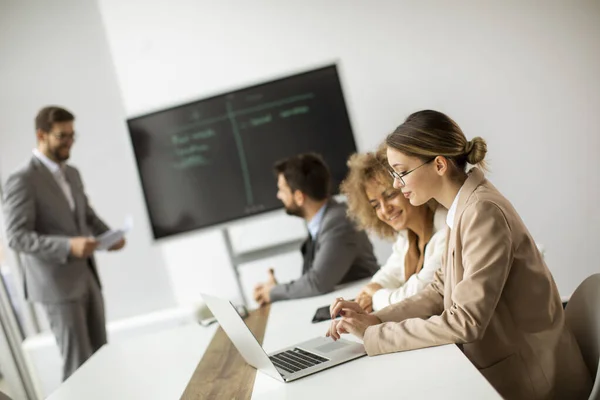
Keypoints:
pixel 495 297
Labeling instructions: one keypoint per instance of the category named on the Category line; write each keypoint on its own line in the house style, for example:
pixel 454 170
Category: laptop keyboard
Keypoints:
pixel 296 360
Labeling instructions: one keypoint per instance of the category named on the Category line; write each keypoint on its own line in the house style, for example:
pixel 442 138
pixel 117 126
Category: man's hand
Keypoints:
pixel 117 246
pixel 354 319
pixel 365 296
pixel 262 291
pixel 83 247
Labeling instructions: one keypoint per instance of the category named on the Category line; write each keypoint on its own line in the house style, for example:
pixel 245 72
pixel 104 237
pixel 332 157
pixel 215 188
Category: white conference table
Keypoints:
pixel 159 366
pixel 437 372
pixel 155 366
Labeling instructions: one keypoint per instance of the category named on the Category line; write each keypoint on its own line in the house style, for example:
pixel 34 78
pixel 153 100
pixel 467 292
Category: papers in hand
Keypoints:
pixel 111 237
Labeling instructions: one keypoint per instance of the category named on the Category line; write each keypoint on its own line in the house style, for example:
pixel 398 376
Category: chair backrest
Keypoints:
pixel 583 318
pixel 4 396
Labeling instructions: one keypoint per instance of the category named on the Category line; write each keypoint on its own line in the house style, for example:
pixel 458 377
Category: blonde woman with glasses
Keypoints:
pixel 419 232
pixel 494 295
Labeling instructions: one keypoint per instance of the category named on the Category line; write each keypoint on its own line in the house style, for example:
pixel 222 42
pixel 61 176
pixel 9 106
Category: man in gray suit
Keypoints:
pixel 49 220
pixel 335 251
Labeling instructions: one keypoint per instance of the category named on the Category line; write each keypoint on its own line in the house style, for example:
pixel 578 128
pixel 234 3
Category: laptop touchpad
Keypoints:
pixel 333 346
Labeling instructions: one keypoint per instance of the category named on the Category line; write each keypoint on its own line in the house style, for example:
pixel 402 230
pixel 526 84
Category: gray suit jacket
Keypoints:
pixel 341 254
pixel 39 224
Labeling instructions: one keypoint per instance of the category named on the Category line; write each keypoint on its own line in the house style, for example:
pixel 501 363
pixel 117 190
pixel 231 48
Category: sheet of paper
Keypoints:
pixel 109 238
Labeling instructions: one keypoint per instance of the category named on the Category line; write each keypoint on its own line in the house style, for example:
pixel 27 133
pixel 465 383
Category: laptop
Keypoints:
pixel 287 364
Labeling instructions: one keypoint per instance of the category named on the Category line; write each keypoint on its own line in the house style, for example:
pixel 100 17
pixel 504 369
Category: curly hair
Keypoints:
pixel 365 167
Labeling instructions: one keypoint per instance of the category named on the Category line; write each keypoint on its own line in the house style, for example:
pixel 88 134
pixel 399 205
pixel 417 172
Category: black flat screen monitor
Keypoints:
pixel 211 161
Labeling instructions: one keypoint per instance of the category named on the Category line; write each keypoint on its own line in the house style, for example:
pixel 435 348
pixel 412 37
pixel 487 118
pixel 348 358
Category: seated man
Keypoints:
pixel 335 251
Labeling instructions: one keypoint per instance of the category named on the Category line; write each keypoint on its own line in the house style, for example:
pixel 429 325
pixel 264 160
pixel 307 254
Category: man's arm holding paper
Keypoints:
pixel 115 239
pixel 107 239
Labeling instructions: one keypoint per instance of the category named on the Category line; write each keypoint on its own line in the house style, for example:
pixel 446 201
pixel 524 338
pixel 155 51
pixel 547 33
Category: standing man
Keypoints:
pixel 49 220
pixel 335 251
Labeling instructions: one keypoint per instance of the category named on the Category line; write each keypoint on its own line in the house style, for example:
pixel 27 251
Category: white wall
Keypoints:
pixel 521 74
pixel 56 53
pixel 524 75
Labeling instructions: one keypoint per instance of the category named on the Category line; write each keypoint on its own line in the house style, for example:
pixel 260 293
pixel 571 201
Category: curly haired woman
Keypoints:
pixel 419 232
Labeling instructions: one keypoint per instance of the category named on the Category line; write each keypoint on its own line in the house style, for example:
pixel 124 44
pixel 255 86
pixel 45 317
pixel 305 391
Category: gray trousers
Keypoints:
pixel 79 326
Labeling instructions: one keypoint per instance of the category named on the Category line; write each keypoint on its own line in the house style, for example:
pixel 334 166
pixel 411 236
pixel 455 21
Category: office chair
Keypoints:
pixel 4 397
pixel 582 315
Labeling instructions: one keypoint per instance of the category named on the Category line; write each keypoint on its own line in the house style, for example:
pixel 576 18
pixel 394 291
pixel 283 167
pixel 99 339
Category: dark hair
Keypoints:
pixel 427 134
pixel 307 173
pixel 47 116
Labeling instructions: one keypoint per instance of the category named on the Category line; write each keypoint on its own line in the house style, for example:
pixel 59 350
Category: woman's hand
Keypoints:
pixel 365 296
pixel 340 304
pixel 365 301
pixel 354 319
pixel 371 288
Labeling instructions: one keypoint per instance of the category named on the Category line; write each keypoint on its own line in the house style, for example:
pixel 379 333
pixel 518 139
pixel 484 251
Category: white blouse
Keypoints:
pixel 391 275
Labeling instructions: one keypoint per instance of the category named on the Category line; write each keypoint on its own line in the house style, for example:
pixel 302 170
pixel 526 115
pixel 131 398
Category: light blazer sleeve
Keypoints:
pixel 417 282
pixel 20 215
pixel 486 257
pixel 333 259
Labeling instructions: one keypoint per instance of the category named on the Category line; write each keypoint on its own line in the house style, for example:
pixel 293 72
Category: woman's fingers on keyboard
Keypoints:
pixel 338 308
